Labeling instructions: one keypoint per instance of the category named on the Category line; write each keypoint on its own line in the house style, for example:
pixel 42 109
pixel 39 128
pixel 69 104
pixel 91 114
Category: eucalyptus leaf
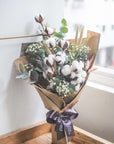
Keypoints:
pixel 23 76
pixel 34 75
pixel 72 86
pixel 71 90
pixel 38 69
pixel 59 35
pixel 32 82
pixel 63 29
pixel 21 68
pixel 64 22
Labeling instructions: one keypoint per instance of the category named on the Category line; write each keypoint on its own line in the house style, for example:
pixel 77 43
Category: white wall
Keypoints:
pixel 20 104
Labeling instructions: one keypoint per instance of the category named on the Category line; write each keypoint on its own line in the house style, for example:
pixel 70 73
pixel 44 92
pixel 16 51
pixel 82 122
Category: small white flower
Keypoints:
pixel 77 87
pixel 49 30
pixel 66 70
pixel 63 44
pixel 51 42
pixel 60 57
pixel 39 18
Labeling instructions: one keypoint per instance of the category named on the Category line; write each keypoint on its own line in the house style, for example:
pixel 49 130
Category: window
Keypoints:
pixel 96 15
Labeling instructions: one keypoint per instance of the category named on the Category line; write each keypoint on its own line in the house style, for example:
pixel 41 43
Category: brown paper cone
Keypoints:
pixel 51 100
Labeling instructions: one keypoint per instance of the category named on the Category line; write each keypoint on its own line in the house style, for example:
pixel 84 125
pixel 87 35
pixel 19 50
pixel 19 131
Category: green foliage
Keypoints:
pixel 63 29
pixel 34 75
pixel 38 69
pixel 70 47
pixel 59 35
pixel 21 68
pixel 64 22
pixel 23 76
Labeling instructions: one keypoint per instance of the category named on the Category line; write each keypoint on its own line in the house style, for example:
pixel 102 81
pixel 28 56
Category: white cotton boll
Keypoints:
pixel 78 75
pixel 66 70
pixel 81 64
pixel 77 87
pixel 49 30
pixel 79 80
pixel 83 79
pixel 51 59
pixel 75 65
pixel 73 75
pixel 83 74
pixel 51 42
pixel 60 57
pixel 79 69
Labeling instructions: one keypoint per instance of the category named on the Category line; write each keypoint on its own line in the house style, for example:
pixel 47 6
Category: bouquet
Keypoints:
pixel 56 67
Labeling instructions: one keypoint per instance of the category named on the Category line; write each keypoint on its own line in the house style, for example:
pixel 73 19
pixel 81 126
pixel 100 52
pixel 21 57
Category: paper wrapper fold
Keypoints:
pixel 51 100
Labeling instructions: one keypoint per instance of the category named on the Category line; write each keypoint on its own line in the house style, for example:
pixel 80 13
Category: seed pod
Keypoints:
pixel 63 44
pixel 39 18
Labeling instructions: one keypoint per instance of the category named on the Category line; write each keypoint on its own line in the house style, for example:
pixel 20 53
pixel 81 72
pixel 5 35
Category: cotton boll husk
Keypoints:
pixel 39 18
pixel 75 65
pixel 77 87
pixel 66 70
pixel 63 44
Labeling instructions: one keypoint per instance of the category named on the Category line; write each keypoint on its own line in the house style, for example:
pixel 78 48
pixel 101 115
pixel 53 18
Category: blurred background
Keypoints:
pixel 95 15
